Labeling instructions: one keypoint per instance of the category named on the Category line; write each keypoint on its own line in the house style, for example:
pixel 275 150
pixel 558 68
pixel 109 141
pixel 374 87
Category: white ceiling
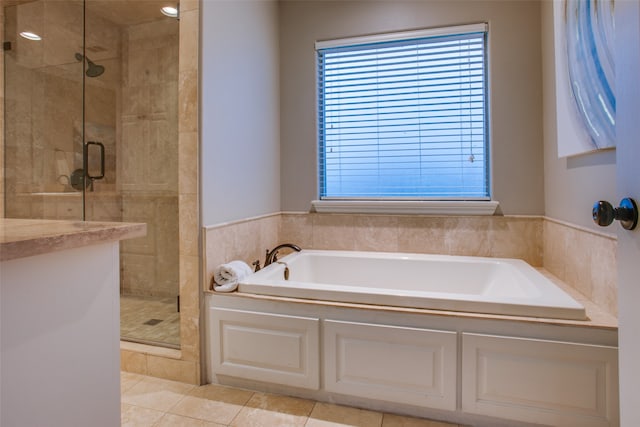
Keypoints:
pixel 120 12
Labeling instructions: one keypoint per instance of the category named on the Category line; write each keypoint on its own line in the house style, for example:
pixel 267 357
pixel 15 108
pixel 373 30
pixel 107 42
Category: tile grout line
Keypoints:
pixel 306 422
pixel 167 413
pixel 244 405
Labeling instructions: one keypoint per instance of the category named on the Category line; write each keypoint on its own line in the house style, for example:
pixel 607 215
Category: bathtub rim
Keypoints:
pixel 573 308
pixel 596 317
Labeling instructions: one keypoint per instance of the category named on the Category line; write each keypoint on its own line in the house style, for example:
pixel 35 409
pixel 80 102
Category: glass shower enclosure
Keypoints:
pixel 91 133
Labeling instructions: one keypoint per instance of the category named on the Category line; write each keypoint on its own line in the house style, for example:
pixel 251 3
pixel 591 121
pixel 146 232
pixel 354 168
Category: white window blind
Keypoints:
pixel 405 117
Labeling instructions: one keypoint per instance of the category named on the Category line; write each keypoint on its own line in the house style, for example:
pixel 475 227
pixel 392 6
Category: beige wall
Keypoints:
pixel 573 184
pixel 515 85
pixel 240 110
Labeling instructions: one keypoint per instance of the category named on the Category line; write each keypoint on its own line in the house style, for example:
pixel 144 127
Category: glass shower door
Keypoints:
pixel 131 137
pixel 91 133
pixel 43 110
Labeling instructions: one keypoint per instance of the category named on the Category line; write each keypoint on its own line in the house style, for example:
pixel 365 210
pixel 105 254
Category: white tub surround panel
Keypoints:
pixel 266 347
pixel 479 370
pixel 553 383
pixel 396 364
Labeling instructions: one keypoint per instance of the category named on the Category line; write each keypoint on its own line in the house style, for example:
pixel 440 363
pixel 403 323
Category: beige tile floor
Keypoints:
pixel 154 402
pixel 136 311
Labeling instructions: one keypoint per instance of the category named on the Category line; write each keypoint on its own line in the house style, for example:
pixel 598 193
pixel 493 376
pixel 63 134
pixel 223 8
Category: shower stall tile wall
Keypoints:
pixel 148 153
pixel 131 108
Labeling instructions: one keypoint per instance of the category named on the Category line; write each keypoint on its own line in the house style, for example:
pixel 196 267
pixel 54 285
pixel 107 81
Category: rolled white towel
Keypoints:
pixel 227 276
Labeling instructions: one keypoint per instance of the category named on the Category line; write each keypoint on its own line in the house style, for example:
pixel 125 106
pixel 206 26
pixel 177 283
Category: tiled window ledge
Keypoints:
pixel 423 207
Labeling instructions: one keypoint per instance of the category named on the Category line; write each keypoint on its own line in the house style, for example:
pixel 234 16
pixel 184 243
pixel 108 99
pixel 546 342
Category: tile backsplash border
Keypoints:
pixel 513 237
pixel 584 259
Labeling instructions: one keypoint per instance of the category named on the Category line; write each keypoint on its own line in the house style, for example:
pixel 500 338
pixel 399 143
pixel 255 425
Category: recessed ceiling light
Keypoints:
pixel 30 36
pixel 170 11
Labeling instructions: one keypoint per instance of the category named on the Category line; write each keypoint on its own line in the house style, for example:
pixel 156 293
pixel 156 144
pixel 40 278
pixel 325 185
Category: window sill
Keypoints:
pixel 419 207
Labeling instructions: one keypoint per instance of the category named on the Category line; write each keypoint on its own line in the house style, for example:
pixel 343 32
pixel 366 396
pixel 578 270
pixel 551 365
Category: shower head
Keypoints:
pixel 93 69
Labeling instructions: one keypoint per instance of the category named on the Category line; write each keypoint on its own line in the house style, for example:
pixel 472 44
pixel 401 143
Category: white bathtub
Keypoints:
pixel 438 282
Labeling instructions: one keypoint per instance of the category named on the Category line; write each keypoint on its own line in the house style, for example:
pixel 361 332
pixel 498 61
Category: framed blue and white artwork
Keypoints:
pixel 585 75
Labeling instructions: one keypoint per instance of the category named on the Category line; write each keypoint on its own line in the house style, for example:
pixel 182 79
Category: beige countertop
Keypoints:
pixel 21 238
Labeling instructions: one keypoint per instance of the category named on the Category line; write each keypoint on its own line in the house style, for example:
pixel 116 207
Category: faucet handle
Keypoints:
pixel 256 264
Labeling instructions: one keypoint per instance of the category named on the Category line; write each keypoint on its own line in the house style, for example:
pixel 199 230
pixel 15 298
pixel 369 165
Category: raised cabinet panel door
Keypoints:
pixel 266 347
pixel 395 364
pixel 553 383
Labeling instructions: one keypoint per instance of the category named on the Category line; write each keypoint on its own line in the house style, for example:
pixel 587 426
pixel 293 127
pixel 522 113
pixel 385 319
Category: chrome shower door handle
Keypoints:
pixel 86 159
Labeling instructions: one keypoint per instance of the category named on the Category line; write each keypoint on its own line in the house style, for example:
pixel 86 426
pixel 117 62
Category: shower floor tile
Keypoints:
pixel 150 320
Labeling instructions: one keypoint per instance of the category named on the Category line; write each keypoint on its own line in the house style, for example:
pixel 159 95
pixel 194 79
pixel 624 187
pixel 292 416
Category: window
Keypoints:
pixel 404 116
